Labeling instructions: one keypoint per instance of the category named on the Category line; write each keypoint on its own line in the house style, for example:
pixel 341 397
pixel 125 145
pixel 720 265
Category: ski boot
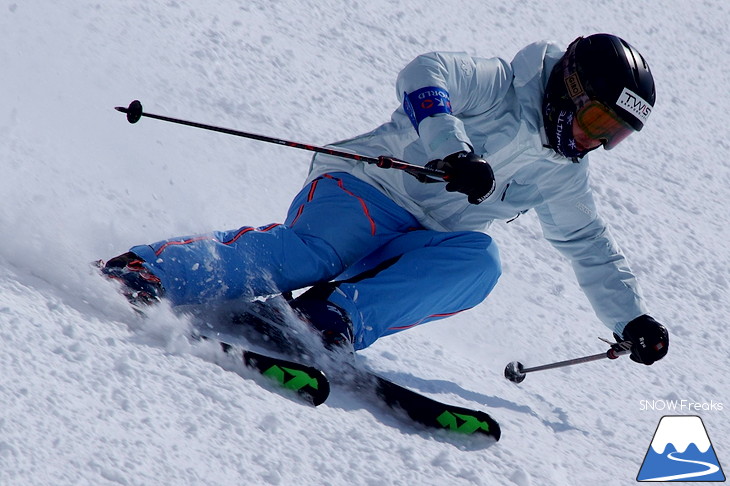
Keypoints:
pixel 329 320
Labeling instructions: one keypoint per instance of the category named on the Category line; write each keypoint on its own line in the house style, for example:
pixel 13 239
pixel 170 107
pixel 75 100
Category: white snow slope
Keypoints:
pixel 90 395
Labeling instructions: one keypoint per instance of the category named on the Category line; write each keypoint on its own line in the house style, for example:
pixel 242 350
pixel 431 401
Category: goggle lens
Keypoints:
pixel 600 122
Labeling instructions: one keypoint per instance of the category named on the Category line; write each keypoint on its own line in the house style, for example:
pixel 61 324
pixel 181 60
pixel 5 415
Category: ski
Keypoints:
pixel 308 382
pixel 427 411
pixel 264 325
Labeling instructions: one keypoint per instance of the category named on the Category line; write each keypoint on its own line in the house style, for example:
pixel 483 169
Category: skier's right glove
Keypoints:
pixel 139 285
pixel 649 339
pixel 467 173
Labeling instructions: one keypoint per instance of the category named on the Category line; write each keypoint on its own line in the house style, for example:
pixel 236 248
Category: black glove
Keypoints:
pixel 649 339
pixel 467 173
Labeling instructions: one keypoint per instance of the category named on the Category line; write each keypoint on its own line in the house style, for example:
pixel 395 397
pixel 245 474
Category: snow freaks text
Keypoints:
pixel 680 406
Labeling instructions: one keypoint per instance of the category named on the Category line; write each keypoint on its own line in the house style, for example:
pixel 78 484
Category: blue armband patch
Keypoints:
pixel 426 102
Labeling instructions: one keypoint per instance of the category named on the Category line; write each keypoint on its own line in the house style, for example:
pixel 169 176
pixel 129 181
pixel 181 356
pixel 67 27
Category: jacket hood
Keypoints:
pixel 531 67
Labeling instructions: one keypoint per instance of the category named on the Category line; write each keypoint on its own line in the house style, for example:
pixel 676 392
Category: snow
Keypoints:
pixel 90 394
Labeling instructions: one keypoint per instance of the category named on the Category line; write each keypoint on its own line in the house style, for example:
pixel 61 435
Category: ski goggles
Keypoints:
pixel 600 122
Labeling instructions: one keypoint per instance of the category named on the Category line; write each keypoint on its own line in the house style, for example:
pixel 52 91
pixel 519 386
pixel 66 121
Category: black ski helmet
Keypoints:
pixel 599 68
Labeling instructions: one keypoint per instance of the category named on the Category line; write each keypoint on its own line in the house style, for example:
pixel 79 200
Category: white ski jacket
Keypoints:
pixel 497 111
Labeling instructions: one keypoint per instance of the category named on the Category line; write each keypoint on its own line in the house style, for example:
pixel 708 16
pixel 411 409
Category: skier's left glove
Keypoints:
pixel 467 173
pixel 649 339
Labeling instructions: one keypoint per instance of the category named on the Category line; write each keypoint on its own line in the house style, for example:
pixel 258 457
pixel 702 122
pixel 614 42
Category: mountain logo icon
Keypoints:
pixel 681 451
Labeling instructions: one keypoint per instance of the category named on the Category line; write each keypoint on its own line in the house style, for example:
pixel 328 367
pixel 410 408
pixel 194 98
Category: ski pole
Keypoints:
pixel 516 372
pixel 424 174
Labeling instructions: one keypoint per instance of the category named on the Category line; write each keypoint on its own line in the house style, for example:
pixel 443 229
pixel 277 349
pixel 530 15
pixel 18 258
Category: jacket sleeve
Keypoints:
pixel 473 86
pixel 573 227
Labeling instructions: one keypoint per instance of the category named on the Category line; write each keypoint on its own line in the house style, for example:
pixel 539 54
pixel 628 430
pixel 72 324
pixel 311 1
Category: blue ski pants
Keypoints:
pixel 393 274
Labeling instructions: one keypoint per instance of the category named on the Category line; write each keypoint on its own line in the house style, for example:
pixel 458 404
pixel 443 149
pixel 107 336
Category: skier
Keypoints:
pixel 383 252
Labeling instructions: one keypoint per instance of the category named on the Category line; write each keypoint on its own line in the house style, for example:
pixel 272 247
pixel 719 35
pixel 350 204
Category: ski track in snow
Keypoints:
pixel 91 395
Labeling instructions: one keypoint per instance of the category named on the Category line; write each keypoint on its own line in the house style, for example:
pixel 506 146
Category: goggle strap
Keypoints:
pixel 573 84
